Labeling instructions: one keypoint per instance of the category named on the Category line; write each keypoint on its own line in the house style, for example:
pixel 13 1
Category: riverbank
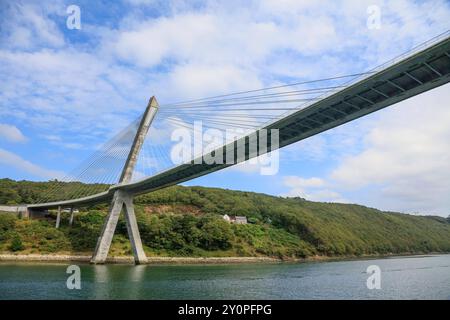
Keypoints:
pixel 130 260
pixel 42 258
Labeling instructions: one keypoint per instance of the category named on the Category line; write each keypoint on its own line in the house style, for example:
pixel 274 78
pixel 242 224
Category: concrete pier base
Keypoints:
pixel 121 199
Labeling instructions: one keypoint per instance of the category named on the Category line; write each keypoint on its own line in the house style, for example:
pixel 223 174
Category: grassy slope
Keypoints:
pixel 182 221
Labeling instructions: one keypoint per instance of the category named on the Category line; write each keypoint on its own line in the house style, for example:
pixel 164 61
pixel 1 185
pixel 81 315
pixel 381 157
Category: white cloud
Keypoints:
pixel 198 80
pixel 11 133
pixel 406 159
pixel 27 25
pixel 397 159
pixel 58 141
pixel 325 195
pixel 11 159
pixel 54 90
pixel 299 182
pixel 313 189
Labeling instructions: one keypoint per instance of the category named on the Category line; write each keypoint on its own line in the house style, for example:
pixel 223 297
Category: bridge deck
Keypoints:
pixel 413 75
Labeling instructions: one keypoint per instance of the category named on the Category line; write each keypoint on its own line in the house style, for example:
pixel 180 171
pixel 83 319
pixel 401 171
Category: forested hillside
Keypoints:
pixel 187 221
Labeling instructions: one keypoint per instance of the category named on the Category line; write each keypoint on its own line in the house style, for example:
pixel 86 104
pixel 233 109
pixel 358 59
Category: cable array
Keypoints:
pixel 241 112
pixel 97 172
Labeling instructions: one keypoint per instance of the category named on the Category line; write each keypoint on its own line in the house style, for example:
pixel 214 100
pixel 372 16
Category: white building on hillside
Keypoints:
pixel 235 219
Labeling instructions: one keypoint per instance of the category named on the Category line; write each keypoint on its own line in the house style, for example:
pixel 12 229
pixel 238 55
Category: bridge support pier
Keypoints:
pixel 121 199
pixel 58 217
pixel 25 214
pixel 71 217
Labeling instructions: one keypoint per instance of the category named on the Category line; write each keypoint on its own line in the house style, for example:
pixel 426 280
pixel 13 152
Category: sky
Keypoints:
pixel 64 92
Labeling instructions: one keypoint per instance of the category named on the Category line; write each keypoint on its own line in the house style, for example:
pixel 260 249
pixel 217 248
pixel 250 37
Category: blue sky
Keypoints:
pixel 65 92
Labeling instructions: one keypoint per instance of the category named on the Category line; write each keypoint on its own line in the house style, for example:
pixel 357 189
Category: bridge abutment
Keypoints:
pixel 31 213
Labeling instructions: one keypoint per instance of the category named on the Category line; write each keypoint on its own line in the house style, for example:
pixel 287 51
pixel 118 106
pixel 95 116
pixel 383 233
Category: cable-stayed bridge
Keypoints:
pixel 324 104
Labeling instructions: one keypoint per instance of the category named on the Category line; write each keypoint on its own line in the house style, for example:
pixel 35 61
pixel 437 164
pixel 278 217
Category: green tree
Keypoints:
pixel 216 234
pixel 16 244
pixel 7 222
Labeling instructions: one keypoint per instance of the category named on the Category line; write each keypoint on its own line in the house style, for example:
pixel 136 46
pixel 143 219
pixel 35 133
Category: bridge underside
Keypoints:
pixel 421 72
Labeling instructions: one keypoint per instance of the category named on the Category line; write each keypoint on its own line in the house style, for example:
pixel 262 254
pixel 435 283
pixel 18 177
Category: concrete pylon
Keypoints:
pixel 58 217
pixel 123 199
pixel 147 118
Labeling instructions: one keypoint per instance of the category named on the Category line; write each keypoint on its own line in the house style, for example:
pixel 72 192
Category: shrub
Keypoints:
pixel 16 244
pixel 216 234
pixel 7 222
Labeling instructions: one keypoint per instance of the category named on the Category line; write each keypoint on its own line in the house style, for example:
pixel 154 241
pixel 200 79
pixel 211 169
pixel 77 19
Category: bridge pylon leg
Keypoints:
pixel 58 217
pixel 121 199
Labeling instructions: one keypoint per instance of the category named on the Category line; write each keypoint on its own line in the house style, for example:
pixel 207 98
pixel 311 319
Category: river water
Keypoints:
pixel 418 277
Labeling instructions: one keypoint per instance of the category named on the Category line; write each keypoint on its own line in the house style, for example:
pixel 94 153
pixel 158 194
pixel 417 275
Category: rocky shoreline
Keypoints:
pixel 129 259
pixel 60 258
